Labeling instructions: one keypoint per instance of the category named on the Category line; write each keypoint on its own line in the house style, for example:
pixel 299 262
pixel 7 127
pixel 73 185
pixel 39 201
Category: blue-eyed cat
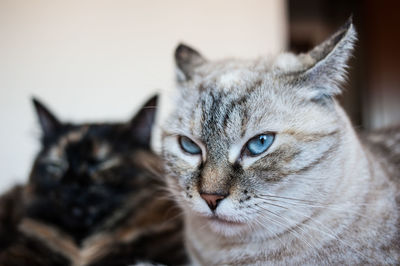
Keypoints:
pixel 268 169
pixel 94 197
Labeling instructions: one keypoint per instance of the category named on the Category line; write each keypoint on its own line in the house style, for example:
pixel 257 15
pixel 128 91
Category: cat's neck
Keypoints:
pixel 359 196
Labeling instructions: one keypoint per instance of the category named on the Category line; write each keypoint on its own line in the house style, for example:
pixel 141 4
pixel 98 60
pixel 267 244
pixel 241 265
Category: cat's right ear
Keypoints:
pixel 187 59
pixel 49 124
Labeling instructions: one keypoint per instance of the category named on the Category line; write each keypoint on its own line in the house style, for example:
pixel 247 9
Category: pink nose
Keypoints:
pixel 212 199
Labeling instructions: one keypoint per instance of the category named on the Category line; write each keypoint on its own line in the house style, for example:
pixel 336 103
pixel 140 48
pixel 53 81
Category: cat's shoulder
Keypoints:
pixel 11 212
pixel 385 143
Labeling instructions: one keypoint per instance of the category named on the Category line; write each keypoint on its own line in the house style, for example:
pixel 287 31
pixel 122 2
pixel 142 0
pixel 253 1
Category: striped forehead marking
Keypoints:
pixel 56 151
pixel 217 112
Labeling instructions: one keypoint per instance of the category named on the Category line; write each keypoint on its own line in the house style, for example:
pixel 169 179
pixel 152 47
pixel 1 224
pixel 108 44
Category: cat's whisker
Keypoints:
pixel 291 229
pixel 282 197
pixel 273 235
pixel 151 107
pixel 344 208
pixel 321 205
pixel 278 222
pixel 330 233
pixel 300 224
pixel 277 205
pixel 173 218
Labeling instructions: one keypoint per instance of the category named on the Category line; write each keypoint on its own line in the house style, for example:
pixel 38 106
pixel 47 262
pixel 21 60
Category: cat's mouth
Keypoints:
pixel 224 221
pixel 226 226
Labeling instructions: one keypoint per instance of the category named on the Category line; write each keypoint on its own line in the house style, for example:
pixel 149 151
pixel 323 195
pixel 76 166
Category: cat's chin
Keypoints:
pixel 226 227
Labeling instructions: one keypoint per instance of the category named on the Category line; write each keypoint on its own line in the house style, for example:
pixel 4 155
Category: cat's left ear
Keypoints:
pixel 48 122
pixel 142 123
pixel 187 59
pixel 325 65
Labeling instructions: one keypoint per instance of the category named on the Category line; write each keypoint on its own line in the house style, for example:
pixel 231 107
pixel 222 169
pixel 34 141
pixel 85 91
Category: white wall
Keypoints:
pixel 98 60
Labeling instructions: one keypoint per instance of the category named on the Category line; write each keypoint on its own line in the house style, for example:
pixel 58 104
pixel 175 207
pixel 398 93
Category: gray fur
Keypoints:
pixel 317 196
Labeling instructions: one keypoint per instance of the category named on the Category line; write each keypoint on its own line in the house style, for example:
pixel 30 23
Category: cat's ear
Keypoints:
pixel 187 59
pixel 49 124
pixel 325 65
pixel 142 123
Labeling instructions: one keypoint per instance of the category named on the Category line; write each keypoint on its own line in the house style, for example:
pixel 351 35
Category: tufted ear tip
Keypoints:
pixel 340 44
pixel 349 21
pixel 347 24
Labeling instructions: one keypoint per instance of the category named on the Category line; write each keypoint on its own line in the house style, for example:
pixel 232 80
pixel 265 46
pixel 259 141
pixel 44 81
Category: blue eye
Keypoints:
pixel 188 145
pixel 259 144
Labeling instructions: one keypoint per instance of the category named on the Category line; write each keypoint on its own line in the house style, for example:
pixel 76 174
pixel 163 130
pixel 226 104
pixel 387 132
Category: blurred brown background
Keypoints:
pixel 372 94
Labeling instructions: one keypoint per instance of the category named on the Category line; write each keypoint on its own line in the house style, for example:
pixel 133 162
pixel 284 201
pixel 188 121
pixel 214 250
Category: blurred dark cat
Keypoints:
pixel 94 197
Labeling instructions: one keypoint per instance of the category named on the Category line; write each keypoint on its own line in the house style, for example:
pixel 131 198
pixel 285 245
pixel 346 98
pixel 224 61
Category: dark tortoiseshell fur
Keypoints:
pixel 94 197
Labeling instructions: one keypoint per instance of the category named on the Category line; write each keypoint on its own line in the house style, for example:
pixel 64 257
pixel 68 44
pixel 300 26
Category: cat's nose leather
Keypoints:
pixel 212 200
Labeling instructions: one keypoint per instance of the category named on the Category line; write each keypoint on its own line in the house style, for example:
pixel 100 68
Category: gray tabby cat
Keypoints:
pixel 268 168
